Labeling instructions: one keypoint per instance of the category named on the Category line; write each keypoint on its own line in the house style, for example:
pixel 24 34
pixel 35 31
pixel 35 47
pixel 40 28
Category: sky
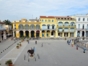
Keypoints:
pixel 30 9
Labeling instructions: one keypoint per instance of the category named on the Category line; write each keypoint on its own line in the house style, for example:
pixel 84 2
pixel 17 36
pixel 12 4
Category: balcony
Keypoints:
pixel 66 30
pixel 66 26
pixel 72 30
pixel 72 26
pixel 60 30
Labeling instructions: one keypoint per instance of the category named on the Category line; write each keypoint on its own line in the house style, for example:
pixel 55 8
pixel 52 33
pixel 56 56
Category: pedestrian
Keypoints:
pixel 35 42
pixel 84 49
pixel 28 41
pixel 76 47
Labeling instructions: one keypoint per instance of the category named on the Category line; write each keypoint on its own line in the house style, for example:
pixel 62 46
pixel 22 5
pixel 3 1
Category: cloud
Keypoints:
pixel 17 9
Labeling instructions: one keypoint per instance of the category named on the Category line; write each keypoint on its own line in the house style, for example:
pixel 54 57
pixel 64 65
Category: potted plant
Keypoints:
pixel 17 46
pixel 9 63
pixel 20 44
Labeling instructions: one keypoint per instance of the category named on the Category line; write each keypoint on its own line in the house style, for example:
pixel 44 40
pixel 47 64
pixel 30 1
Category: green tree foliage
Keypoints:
pixel 7 22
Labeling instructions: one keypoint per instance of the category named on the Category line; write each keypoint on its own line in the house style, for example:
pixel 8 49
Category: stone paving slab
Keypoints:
pixel 13 54
pixel 57 53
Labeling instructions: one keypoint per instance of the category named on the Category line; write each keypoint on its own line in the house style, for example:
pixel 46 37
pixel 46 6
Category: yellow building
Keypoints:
pixel 24 28
pixel 45 27
pixel 48 26
pixel 66 26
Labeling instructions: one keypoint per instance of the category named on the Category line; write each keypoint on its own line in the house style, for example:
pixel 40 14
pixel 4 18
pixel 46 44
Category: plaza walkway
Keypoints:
pixel 47 53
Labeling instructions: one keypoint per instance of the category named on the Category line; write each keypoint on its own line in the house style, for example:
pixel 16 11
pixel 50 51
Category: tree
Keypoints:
pixel 7 22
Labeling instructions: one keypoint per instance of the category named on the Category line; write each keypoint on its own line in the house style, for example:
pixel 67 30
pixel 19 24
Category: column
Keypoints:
pixel 69 34
pixel 45 34
pixel 30 34
pixel 24 33
pixel 40 35
pixel 17 34
pixel 81 35
pixel 85 35
pixel 63 34
pixel 13 33
pixel 50 34
pixel 35 34
pixel 56 34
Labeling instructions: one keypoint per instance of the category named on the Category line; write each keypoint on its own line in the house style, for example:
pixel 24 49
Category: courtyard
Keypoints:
pixel 47 53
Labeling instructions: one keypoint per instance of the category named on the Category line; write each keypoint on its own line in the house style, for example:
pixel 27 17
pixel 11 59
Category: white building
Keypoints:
pixel 2 31
pixel 82 26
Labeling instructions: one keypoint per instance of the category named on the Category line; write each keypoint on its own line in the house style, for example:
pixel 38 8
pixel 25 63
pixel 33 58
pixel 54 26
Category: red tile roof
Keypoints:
pixel 58 17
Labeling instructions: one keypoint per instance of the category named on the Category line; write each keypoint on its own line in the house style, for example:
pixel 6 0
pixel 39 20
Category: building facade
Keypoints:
pixel 3 32
pixel 45 27
pixel 66 26
pixel 25 28
pixel 82 26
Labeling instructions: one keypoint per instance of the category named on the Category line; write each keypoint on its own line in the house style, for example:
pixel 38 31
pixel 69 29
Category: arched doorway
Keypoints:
pixel 37 33
pixel 2 35
pixel 32 34
pixel 21 34
pixel 82 33
pixel 52 33
pixel 27 33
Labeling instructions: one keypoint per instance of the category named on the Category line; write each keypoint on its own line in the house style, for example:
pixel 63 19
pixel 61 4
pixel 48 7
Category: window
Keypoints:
pixel 52 33
pixel 83 26
pixel 42 35
pixel 83 19
pixel 52 26
pixel 48 20
pixel 87 26
pixel 78 19
pixel 48 27
pixel 78 25
pixel 52 20
pixel 45 20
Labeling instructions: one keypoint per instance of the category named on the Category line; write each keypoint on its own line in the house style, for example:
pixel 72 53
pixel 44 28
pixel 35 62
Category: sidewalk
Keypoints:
pixel 5 44
pixel 13 54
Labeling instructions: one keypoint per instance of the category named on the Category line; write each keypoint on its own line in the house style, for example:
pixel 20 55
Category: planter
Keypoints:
pixel 10 65
pixel 20 44
pixel 17 47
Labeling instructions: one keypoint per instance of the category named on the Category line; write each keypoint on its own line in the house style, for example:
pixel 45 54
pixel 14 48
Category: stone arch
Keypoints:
pixel 21 33
pixel 32 34
pixel 27 33
pixel 32 26
pixel 21 26
pixel 37 33
pixel 26 26
pixel 37 26
pixel 72 23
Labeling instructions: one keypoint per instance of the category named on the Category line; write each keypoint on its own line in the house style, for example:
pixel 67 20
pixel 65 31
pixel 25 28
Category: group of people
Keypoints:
pixel 69 42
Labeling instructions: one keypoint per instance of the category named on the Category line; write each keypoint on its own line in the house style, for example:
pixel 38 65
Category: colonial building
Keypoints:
pixel 48 26
pixel 66 26
pixel 45 27
pixel 82 26
pixel 26 28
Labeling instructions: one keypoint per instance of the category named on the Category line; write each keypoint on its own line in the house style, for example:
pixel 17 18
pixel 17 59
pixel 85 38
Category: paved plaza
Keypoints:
pixel 47 53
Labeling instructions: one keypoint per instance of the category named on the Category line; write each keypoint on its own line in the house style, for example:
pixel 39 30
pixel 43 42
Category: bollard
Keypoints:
pixel 35 58
pixel 38 56
pixel 28 59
